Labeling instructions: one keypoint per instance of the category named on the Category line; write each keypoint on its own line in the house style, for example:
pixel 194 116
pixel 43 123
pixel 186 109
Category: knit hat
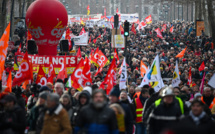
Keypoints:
pixel 43 95
pixel 115 91
pixel 44 88
pixel 197 95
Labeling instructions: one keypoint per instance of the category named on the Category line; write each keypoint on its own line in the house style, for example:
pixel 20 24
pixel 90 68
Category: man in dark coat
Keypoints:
pixel 12 119
pixel 114 98
pixel 97 117
pixel 197 122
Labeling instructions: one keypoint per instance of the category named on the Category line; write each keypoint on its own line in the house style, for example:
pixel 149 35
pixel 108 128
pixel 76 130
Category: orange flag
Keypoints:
pixel 3 48
pixel 24 73
pixel 181 54
pixel 9 82
pixel 29 36
pixel 171 29
pixel 24 85
pixel 143 68
pixel 63 72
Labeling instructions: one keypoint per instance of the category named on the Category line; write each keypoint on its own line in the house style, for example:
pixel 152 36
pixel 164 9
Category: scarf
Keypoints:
pixel 197 119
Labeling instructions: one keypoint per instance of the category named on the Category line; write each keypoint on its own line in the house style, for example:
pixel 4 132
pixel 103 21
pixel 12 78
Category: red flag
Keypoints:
pixel 99 71
pixel 121 29
pixel 82 31
pixel 3 48
pixel 148 19
pixel 105 31
pixel 117 10
pixel 158 31
pixel 116 56
pixel 63 72
pixel 142 25
pixel 19 50
pixel 202 66
pixel 86 75
pixel 105 12
pixel 133 29
pixel 9 82
pixel 79 53
pixel 163 28
pixel 76 77
pixel 41 77
pixel 95 40
pixel 29 36
pixel 68 37
pixel 89 40
pixel 181 54
pixel 24 73
pixel 51 74
pixel 171 29
pixel 201 88
pixel 99 59
pixel 110 78
pixel 91 55
pixel 190 78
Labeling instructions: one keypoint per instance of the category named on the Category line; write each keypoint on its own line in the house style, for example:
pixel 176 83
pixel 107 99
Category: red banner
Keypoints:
pixel 71 63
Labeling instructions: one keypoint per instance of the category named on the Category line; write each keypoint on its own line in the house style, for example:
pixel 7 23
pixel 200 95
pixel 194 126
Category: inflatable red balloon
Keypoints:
pixel 46 20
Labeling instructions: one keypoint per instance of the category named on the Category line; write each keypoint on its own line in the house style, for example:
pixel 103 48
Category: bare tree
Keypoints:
pixel 20 7
pixel 211 18
pixel 2 16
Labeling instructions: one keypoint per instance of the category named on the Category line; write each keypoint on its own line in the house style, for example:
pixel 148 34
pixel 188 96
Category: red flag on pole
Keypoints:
pixel 148 19
pixel 9 82
pixel 82 31
pixel 117 10
pixel 41 77
pixel 24 73
pixel 159 34
pixel 79 53
pixel 201 88
pixel 133 29
pixel 110 78
pixel 202 66
pixel 51 73
pixel 63 72
pixel 86 75
pixel 105 12
pixel 190 78
pixel 76 77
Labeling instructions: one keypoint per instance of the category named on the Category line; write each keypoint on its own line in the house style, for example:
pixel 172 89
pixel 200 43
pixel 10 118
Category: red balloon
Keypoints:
pixel 46 20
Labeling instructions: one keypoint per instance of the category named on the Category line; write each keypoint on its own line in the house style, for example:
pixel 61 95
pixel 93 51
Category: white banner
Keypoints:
pixel 176 77
pixel 132 18
pixel 123 77
pixel 81 40
pixel 212 81
pixel 119 41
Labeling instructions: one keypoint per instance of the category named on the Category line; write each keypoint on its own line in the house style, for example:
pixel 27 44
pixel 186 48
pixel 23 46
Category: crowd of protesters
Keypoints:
pixel 57 109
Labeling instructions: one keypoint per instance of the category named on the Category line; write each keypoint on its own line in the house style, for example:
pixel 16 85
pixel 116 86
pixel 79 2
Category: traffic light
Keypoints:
pixel 116 21
pixel 126 28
